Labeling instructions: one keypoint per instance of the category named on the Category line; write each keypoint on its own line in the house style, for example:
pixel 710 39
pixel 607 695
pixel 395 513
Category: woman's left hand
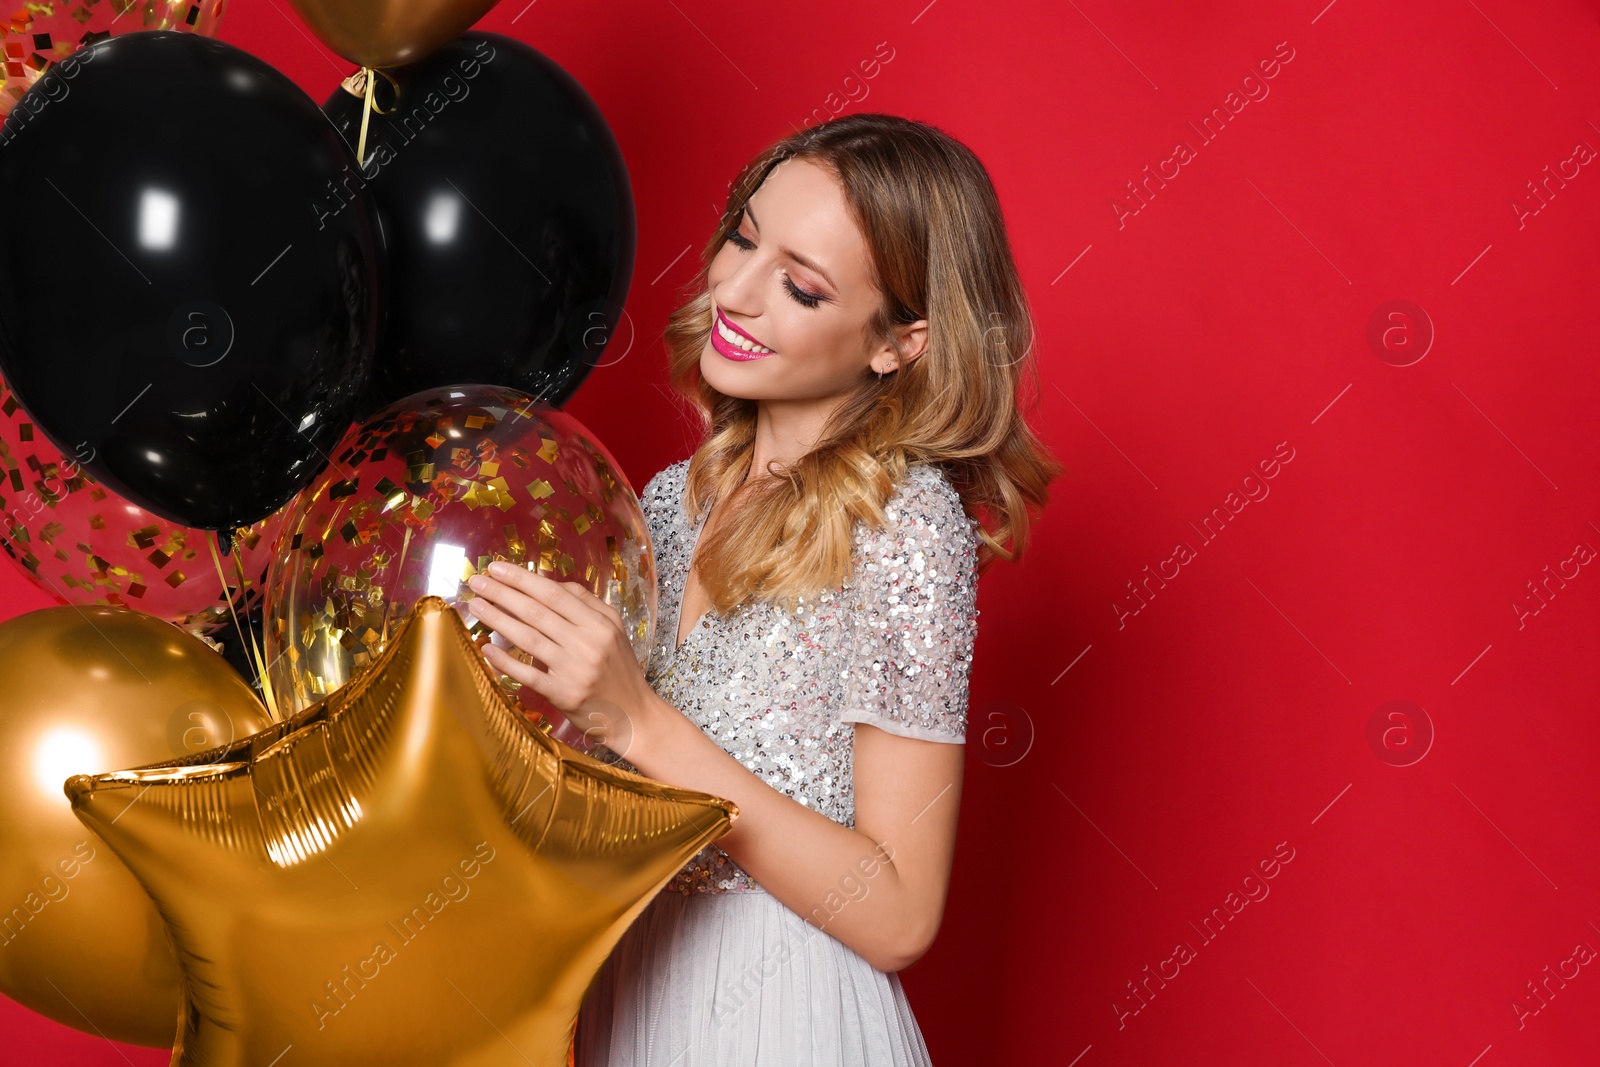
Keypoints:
pixel 585 666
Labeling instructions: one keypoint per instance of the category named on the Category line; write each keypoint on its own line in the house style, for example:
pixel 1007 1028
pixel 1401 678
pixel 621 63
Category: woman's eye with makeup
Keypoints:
pixel 810 300
pixel 800 296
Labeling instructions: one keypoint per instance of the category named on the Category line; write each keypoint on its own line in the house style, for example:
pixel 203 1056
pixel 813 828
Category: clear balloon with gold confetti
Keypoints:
pixel 422 497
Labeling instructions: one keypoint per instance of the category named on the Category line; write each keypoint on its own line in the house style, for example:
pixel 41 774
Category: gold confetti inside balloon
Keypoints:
pixel 405 872
pixel 92 688
pixel 39 35
pixel 424 495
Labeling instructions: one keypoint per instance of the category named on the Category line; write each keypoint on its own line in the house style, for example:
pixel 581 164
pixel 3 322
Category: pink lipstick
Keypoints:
pixel 727 348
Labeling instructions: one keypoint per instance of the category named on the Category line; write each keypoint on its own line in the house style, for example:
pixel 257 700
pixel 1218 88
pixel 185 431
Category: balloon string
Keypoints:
pixel 267 697
pixel 388 608
pixel 216 559
pixel 369 106
pixel 260 656
pixel 252 649
pixel 366 113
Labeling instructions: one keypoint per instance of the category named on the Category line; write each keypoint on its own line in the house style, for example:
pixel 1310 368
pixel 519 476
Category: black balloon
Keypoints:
pixel 510 221
pixel 175 311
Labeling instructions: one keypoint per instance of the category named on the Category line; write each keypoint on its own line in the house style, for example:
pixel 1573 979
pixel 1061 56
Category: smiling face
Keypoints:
pixel 794 283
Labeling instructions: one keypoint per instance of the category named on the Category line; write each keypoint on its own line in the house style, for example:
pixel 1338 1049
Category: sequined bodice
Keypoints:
pixel 781 691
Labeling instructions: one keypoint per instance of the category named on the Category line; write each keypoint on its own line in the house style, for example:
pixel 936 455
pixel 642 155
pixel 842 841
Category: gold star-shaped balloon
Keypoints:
pixel 405 872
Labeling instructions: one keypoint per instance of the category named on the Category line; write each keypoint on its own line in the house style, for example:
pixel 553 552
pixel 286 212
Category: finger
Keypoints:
pixel 531 611
pixel 577 595
pixel 525 636
pixel 544 589
pixel 515 669
pixel 589 602
pixel 585 598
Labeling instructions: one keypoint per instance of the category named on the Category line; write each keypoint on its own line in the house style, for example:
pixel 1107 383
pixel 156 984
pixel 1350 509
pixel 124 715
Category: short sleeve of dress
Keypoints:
pixel 914 617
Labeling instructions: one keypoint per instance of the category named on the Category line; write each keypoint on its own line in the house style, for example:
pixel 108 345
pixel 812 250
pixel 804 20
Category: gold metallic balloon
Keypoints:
pixel 387 33
pixel 407 872
pixel 85 689
pixel 424 495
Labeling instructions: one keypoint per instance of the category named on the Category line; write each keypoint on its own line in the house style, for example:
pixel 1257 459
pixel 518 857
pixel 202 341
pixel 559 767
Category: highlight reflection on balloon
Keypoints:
pixel 424 496
pixel 62 752
pixel 86 689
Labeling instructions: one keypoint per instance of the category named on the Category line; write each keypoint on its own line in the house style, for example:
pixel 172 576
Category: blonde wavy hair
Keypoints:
pixel 938 247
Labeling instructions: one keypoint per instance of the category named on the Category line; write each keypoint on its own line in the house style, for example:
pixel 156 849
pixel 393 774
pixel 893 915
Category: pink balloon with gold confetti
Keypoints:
pixel 422 497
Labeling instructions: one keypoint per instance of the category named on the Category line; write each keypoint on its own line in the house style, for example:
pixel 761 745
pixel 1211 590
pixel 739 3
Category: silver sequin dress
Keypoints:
pixel 716 972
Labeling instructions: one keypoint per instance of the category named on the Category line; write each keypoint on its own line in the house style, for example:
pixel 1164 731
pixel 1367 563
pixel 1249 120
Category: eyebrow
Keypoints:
pixel 792 254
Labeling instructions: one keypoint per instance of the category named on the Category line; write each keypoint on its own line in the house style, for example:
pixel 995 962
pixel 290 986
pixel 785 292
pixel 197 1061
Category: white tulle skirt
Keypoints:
pixel 738 980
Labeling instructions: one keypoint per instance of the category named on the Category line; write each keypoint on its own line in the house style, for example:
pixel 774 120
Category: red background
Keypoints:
pixel 1174 750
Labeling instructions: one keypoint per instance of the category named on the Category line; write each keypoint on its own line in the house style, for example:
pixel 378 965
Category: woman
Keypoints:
pixel 855 352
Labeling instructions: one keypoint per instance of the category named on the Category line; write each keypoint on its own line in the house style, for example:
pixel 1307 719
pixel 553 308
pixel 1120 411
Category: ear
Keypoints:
pixel 911 341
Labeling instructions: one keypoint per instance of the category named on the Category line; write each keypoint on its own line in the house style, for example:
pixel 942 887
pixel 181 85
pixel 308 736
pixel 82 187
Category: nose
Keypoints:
pixel 740 292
